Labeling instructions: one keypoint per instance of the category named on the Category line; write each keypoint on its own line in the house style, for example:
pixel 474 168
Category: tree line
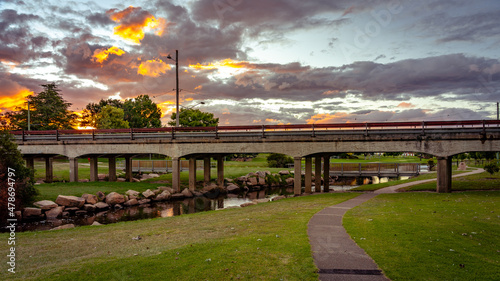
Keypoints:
pixel 49 111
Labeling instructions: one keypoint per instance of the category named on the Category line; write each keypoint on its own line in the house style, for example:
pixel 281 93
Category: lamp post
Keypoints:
pixel 29 117
pixel 176 86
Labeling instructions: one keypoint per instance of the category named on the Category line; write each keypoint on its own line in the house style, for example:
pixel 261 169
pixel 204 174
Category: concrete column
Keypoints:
pixel 297 185
pixel 30 163
pixel 206 170
pixel 176 174
pixel 443 174
pixel 73 169
pixel 326 174
pixel 192 174
pixel 308 177
pixel 128 168
pixel 93 169
pixel 317 174
pixel 112 168
pixel 48 170
pixel 220 171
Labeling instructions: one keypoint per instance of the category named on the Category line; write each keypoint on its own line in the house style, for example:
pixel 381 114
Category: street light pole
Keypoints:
pixel 176 88
pixel 29 117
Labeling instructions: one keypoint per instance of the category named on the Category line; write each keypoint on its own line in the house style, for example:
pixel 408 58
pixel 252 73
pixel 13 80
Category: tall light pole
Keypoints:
pixel 176 86
pixel 29 117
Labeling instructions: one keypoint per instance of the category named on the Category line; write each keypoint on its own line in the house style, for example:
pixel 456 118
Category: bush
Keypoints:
pixel 23 177
pixel 277 160
pixel 431 164
pixel 491 168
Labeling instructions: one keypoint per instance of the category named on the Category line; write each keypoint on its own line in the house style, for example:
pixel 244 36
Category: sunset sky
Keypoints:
pixel 261 61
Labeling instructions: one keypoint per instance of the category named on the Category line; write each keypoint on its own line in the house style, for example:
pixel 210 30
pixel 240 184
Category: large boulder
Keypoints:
pixel 90 198
pixel 261 174
pixel 31 213
pixel 262 181
pixel 164 196
pixel 54 213
pixel 187 193
pixel 167 188
pixel 252 181
pixel 131 202
pixel 100 196
pixel 290 181
pixel 148 194
pixel 242 179
pixel 285 172
pixel 101 205
pixel 89 208
pixel 64 226
pixel 114 198
pixel 233 188
pixel 45 204
pixel 70 201
pixel 132 194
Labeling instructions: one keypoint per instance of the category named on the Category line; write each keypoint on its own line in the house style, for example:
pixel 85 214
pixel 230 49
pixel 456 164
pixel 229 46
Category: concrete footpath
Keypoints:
pixel 336 255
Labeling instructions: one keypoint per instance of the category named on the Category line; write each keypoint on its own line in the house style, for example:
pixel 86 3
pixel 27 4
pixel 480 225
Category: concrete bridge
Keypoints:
pixel 442 139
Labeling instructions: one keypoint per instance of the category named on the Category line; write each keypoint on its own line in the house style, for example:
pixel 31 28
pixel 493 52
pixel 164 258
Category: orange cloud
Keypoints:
pixel 228 63
pixel 134 22
pixel 17 100
pixel 339 117
pixel 153 68
pixel 406 105
pixel 101 55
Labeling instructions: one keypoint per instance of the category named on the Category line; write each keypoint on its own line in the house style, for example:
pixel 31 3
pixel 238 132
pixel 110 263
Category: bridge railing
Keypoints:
pixel 248 130
pixel 374 169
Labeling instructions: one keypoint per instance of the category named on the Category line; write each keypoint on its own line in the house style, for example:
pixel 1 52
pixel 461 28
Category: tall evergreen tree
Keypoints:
pixel 142 112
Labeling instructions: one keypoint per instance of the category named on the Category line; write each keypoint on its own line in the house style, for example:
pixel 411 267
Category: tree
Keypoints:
pixel 111 117
pixel 277 160
pixel 89 116
pixel 16 180
pixel 142 112
pixel 48 111
pixel 189 117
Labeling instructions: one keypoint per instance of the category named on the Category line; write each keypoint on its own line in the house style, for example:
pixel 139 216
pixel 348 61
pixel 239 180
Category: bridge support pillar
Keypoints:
pixel 112 168
pixel 48 170
pixel 93 169
pixel 206 170
pixel 444 174
pixel 220 171
pixel 317 174
pixel 128 169
pixel 326 172
pixel 73 169
pixel 30 162
pixel 176 174
pixel 308 176
pixel 297 184
pixel 192 174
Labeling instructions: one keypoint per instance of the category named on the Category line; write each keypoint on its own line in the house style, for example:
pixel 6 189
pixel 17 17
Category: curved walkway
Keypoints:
pixel 336 255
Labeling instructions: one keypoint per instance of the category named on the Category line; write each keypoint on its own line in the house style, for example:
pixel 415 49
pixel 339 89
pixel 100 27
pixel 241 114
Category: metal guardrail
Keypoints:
pixel 263 131
pixel 164 166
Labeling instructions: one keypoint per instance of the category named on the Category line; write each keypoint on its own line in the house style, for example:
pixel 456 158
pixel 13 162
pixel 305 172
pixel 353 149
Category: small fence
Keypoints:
pixel 163 166
pixel 374 169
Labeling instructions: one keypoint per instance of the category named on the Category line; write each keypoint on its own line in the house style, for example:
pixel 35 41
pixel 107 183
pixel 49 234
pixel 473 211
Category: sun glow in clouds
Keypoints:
pixel 134 22
pixel 225 68
pixel 100 55
pixel 17 100
pixel 153 68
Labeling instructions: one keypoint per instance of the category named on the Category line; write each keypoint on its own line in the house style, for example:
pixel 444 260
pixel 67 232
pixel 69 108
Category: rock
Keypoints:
pixel 71 209
pixel 19 215
pixel 83 180
pixel 248 204
pixel 100 196
pixel 233 188
pixel 114 198
pixel 131 192
pixel 65 226
pixel 164 196
pixel 55 212
pixel 261 174
pixel 70 201
pixel 95 223
pixel 229 180
pixel 101 205
pixel 90 198
pixel 157 191
pixel 187 193
pixel 262 181
pixel 252 181
pixel 251 175
pixel 121 180
pixel 45 204
pixel 177 196
pixel 89 207
pixel 102 177
pixel 81 213
pixel 31 213
pixel 197 193
pixel 65 215
pixel 263 200
pixel 118 207
pixel 286 172
pixel 144 201
pixel 210 187
pixel 279 198
pixel 242 179
pixel 131 202
pixel 153 175
pixel 290 181
pixel 136 180
pixel 148 194
pixel 169 189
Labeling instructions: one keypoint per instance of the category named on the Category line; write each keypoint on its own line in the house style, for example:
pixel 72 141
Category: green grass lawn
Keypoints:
pixel 482 181
pixel 264 242
pixel 428 236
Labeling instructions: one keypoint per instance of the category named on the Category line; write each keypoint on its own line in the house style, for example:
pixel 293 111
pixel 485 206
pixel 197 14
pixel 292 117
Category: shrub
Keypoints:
pixel 277 160
pixel 491 168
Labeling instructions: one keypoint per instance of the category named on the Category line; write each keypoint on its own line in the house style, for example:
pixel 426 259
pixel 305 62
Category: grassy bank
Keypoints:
pixel 428 236
pixel 482 181
pixel 267 242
